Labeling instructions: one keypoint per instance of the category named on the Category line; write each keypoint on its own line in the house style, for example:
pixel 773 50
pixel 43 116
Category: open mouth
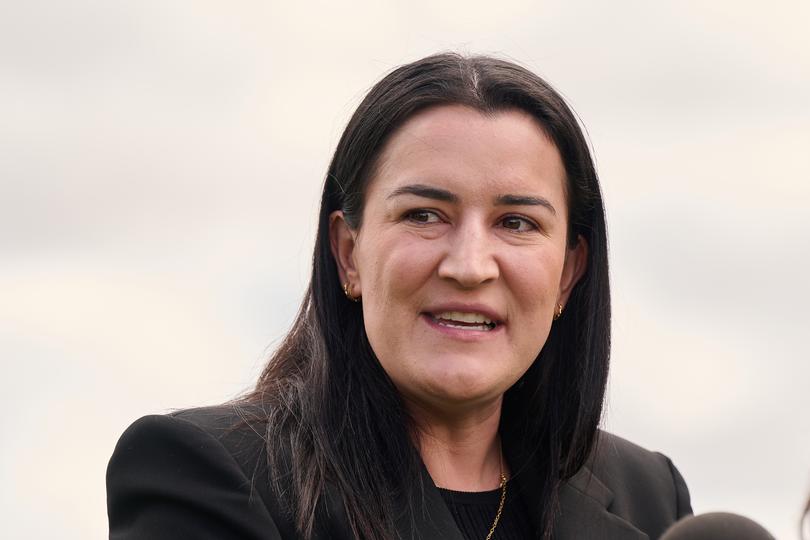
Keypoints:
pixel 463 320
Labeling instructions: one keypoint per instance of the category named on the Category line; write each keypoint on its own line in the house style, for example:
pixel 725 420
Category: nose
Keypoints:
pixel 470 257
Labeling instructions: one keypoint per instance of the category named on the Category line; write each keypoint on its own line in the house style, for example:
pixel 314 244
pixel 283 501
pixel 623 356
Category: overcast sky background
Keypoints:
pixel 160 164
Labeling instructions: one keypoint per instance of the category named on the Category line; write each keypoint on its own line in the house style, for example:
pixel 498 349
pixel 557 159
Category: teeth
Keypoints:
pixel 461 316
pixel 480 327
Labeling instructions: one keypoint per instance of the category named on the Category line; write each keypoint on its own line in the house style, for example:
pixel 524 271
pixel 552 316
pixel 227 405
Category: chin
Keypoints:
pixel 465 389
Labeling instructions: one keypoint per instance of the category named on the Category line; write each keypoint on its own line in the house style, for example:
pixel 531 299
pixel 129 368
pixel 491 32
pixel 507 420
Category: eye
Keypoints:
pixel 422 216
pixel 518 224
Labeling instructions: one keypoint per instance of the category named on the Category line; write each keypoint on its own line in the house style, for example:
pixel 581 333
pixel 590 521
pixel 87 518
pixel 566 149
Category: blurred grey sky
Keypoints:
pixel 160 164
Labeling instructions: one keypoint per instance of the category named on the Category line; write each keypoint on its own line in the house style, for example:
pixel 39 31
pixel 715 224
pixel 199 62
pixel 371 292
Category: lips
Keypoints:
pixel 464 320
pixel 471 318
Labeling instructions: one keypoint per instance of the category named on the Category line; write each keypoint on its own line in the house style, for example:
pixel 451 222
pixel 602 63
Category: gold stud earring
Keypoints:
pixel 558 313
pixel 349 294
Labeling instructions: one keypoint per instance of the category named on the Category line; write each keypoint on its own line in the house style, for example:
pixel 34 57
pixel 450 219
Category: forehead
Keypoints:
pixel 463 149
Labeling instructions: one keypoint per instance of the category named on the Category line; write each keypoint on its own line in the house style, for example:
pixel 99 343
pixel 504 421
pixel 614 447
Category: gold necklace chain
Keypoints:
pixel 500 506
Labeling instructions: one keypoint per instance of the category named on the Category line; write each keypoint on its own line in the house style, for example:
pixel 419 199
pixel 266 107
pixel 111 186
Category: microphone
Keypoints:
pixel 716 526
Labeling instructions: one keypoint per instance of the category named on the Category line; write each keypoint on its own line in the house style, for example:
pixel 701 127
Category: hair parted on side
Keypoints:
pixel 335 421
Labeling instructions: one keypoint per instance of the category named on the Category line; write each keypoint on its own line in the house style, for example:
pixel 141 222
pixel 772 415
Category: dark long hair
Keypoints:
pixel 334 418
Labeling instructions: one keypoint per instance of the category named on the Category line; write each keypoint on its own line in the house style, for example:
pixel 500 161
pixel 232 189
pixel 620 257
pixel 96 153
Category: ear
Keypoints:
pixel 342 240
pixel 576 262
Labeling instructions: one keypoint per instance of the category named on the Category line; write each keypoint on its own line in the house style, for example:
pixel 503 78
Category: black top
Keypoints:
pixel 474 513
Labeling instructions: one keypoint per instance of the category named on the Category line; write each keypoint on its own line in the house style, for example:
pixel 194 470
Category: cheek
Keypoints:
pixel 395 269
pixel 392 275
pixel 534 279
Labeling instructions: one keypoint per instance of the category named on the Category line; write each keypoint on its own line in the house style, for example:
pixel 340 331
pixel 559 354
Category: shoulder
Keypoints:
pixel 215 422
pixel 615 457
pixel 232 434
pixel 189 474
pixel 239 429
pixel 644 486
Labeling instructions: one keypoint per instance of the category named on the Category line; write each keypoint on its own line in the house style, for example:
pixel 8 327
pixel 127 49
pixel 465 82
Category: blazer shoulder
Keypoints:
pixel 613 455
pixel 184 475
pixel 239 428
pixel 646 486
pixel 221 416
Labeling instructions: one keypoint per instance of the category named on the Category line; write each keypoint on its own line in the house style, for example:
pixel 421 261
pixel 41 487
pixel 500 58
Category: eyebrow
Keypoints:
pixel 438 194
pixel 525 200
pixel 427 192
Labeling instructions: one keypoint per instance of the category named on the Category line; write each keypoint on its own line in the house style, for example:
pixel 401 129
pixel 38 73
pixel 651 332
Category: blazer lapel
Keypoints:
pixel 584 502
pixel 584 514
pixel 431 518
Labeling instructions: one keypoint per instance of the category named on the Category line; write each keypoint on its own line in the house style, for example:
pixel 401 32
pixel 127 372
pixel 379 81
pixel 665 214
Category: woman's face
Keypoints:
pixel 461 257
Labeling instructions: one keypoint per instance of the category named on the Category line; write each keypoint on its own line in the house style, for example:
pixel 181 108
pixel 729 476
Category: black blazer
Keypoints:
pixel 191 474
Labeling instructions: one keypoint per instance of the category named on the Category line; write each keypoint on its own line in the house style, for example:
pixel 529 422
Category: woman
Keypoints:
pixel 446 372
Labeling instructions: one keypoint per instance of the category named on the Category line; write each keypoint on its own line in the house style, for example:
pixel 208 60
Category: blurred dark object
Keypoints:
pixel 716 526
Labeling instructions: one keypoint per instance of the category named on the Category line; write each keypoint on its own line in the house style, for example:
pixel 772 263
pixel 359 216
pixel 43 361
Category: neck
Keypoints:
pixel 461 451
